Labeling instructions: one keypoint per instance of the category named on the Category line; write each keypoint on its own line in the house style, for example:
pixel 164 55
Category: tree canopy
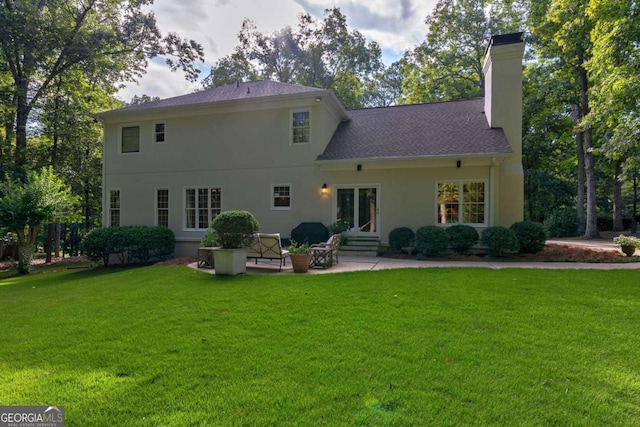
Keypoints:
pixel 448 64
pixel 108 41
pixel 324 54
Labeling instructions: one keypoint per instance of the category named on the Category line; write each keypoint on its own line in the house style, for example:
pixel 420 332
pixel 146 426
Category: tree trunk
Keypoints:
pixel 634 220
pixel 580 154
pixel 618 223
pixel 58 238
pixel 22 116
pixel 26 242
pixel 591 230
pixel 49 243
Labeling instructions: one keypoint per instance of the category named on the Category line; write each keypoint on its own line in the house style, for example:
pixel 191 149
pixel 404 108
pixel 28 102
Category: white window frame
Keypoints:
pixel 461 202
pixel 273 197
pixel 292 128
pixel 211 211
pixel 161 209
pixel 120 140
pixel 114 209
pixel 156 133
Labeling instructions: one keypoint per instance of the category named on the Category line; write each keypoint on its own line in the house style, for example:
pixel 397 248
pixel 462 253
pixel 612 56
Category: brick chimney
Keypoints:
pixel 503 87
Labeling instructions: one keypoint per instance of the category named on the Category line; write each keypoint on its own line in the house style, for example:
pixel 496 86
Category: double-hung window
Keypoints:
pixel 130 139
pixel 201 207
pixel 162 207
pixel 158 133
pixel 114 208
pixel 281 197
pixel 462 202
pixel 301 127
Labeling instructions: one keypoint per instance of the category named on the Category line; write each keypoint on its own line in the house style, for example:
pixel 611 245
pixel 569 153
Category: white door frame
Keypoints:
pixel 356 230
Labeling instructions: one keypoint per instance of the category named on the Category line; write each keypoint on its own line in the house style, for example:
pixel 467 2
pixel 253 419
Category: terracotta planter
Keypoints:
pixel 628 250
pixel 300 262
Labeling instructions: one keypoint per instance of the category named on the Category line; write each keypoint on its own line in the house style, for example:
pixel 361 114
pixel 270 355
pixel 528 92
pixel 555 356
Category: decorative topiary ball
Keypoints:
pixel 235 229
pixel 462 237
pixel 531 236
pixel 431 241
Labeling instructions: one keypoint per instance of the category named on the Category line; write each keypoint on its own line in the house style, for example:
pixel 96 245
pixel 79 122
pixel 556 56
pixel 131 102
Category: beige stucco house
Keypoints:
pixel 292 154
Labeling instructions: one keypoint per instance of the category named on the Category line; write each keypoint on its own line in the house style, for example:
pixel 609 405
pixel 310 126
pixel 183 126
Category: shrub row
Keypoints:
pixel 131 244
pixel 431 240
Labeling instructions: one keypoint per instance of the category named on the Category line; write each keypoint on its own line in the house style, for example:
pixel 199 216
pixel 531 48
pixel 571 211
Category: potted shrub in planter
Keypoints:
pixel 628 244
pixel 234 230
pixel 300 256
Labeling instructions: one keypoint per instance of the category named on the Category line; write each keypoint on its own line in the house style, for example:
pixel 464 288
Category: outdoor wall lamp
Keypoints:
pixel 324 190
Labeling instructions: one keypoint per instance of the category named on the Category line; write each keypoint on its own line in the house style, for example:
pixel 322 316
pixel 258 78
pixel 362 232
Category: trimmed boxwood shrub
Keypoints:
pixel 150 243
pixel 498 240
pixel 235 229
pixel 431 241
pixel 401 237
pixel 531 236
pixel 96 245
pixel 462 237
pixel 129 243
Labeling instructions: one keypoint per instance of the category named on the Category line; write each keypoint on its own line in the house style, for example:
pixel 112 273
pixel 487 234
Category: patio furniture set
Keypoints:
pixel 269 247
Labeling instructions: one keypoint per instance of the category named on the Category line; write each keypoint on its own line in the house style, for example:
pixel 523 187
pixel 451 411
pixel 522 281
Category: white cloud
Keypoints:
pixel 395 25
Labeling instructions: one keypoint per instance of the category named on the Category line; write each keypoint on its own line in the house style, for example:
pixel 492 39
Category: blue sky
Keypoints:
pixel 396 25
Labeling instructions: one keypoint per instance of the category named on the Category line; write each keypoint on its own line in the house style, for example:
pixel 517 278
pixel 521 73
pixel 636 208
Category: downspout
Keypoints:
pixel 492 192
pixel 104 171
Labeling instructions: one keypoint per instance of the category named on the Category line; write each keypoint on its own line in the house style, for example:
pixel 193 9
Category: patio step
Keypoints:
pixel 360 246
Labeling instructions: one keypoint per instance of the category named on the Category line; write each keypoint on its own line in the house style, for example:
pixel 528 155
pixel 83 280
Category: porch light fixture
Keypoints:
pixel 324 190
pixel 458 163
pixel 318 99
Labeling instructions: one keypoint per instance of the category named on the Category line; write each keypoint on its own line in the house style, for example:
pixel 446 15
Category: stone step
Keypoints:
pixel 371 254
pixel 360 246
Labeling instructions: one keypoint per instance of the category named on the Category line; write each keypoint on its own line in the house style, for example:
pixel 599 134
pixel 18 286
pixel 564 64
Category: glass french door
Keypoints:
pixel 360 207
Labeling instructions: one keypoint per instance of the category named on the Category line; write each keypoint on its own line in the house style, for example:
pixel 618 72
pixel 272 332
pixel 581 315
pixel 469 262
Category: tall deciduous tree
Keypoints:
pixel 324 54
pixel 448 64
pixel 562 31
pixel 41 40
pixel 615 70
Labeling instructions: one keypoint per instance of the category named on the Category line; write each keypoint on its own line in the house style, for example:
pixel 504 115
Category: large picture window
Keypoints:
pixel 301 127
pixel 114 208
pixel 201 207
pixel 130 139
pixel 462 203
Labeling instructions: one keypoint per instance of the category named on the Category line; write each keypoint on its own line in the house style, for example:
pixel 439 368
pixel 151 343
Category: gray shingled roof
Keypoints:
pixel 244 90
pixel 439 129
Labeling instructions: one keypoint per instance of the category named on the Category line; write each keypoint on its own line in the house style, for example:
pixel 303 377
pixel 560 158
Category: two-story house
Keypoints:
pixel 292 154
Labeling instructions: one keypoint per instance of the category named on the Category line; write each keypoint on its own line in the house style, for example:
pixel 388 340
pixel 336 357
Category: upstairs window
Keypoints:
pixel 158 136
pixel 462 203
pixel 130 139
pixel 301 127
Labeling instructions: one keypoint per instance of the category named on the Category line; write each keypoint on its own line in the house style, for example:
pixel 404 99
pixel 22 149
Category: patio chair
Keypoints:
pixel 323 254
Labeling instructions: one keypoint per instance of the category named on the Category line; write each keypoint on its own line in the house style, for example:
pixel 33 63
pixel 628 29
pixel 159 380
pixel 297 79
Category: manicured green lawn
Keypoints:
pixel 168 346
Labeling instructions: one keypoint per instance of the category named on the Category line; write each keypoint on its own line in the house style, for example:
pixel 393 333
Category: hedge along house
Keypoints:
pixel 292 154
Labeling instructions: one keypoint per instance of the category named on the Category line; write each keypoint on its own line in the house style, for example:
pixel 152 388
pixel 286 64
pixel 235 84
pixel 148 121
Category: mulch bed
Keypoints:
pixel 553 252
